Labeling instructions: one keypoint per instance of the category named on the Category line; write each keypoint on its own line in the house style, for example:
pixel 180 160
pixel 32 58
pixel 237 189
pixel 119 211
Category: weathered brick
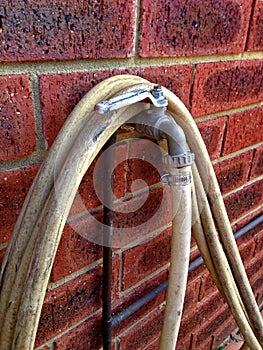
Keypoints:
pixel 259 242
pixel 247 251
pixel 196 28
pixel 212 132
pixel 257 164
pixel 175 78
pixel 59 93
pixel 86 336
pixel 225 85
pixel 14 185
pixel 207 286
pixel 70 303
pixel 217 329
pixel 244 129
pixel 136 339
pixel 57 30
pixel 233 172
pixel 245 200
pixel 90 193
pixel 74 252
pixel 144 164
pixel 140 261
pixel 255 41
pixel 17 125
pixel 133 295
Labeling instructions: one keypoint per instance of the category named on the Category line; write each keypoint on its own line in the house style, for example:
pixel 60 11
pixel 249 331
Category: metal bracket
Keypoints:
pixel 155 95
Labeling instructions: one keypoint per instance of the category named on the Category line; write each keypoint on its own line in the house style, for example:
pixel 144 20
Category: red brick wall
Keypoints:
pixel 210 54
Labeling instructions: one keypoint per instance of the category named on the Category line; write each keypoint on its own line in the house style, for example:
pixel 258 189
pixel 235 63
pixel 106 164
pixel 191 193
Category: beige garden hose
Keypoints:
pixel 32 248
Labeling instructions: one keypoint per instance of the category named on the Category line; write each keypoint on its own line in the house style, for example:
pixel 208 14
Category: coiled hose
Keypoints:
pixel 32 248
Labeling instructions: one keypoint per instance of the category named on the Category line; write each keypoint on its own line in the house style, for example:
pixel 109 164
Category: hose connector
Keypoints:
pixel 178 174
pixel 179 161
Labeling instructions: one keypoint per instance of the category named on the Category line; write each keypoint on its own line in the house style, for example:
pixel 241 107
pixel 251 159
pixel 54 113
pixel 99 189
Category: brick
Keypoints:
pixel 135 339
pixel 233 172
pixel 196 28
pixel 247 251
pixel 259 242
pixel 14 185
pixel 90 193
pixel 207 286
pixel 243 130
pixel 133 295
pixel 70 303
pixel 257 164
pixel 146 258
pixel 175 78
pixel 86 336
pixel 59 93
pixel 205 310
pixel 255 42
pixel 136 217
pixel 74 252
pixel 212 132
pixel 191 295
pixel 245 200
pixel 55 30
pixel 144 164
pixel 221 86
pixel 17 125
pixel 212 333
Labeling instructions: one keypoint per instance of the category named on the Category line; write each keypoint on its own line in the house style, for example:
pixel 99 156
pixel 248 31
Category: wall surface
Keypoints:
pixel 208 52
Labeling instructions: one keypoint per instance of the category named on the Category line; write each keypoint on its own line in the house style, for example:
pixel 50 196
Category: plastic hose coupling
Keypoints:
pixel 178 162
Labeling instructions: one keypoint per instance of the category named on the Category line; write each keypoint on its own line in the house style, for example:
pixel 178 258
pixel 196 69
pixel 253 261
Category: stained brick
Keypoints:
pixel 176 28
pixel 255 41
pixel 59 30
pixel 207 286
pixel 133 295
pixel 14 185
pixel 74 252
pixel 259 242
pixel 212 132
pixel 59 93
pixel 233 172
pixel 17 126
pixel 225 85
pixel 257 165
pixel 136 339
pixel 175 78
pixel 247 251
pixel 245 200
pixel 144 164
pixel 86 336
pixel 243 130
pixel 146 258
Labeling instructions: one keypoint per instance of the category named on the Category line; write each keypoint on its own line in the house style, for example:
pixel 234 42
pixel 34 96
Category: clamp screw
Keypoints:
pixel 157 91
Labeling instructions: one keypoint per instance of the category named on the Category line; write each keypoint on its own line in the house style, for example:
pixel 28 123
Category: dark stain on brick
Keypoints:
pixel 245 200
pixel 66 29
pixel 233 84
pixel 194 27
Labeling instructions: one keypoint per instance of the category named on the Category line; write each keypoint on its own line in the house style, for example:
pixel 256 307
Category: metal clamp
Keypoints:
pixel 176 179
pixel 128 98
pixel 179 161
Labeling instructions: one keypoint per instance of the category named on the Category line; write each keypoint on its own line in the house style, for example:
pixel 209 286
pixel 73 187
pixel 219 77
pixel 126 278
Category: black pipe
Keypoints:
pixel 108 184
pixel 121 316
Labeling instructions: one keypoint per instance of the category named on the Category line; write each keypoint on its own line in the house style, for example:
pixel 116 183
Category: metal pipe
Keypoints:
pixel 108 183
pixel 121 316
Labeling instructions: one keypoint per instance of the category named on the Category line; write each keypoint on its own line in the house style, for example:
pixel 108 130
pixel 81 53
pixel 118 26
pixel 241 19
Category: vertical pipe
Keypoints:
pixel 108 183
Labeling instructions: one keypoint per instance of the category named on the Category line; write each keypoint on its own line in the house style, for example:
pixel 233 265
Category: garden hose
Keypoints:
pixel 32 248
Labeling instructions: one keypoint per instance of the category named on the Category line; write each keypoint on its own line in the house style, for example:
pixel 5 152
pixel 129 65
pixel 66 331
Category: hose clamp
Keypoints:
pixel 176 179
pixel 179 161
